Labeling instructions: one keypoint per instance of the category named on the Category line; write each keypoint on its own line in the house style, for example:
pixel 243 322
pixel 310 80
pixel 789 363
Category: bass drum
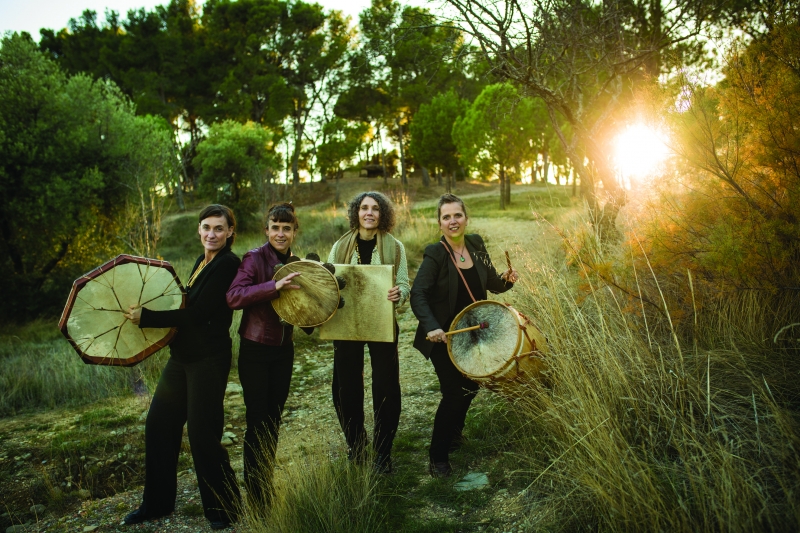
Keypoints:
pixel 508 352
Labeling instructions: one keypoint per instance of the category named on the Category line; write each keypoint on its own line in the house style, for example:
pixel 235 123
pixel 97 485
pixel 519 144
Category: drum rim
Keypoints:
pixel 333 277
pixel 458 317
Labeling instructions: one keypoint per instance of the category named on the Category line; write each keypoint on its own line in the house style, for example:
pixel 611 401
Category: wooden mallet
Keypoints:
pixel 482 325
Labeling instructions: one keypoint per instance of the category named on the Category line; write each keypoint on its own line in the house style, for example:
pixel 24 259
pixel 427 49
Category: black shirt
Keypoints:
pixel 203 325
pixel 474 281
pixel 365 249
pixel 283 257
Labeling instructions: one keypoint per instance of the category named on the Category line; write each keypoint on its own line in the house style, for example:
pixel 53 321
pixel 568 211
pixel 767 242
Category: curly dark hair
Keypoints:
pixel 282 212
pixel 386 220
pixel 219 210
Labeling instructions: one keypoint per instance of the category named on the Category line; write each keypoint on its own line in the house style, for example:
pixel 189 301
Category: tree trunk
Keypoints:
pixel 337 199
pixel 439 176
pixel 546 168
pixel 426 177
pixel 298 144
pixel 383 158
pixel 403 177
pixel 507 190
pixel 502 187
pixel 574 190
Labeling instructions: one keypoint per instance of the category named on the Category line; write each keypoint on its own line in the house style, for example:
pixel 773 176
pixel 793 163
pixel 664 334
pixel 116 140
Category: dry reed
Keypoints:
pixel 640 429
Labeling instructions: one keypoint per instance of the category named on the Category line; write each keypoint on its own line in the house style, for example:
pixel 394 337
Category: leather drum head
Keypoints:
pixel 482 352
pixel 92 320
pixel 316 300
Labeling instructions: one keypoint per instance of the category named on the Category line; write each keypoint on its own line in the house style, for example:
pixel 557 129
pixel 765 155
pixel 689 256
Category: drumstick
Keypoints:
pixel 482 325
pixel 508 260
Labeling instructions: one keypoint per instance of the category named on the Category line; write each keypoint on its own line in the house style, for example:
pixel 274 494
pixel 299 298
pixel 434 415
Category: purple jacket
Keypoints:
pixel 251 290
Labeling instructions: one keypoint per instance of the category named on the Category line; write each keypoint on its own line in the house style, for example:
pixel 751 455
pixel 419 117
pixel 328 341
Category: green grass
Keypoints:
pixel 39 369
pixel 637 428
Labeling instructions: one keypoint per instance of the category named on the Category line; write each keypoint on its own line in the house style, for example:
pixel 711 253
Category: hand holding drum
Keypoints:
pixel 286 283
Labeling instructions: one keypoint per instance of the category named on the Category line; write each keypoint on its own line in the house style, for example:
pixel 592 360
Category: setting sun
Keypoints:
pixel 639 151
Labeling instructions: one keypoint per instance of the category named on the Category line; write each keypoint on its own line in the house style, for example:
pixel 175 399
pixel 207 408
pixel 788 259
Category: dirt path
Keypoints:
pixel 311 432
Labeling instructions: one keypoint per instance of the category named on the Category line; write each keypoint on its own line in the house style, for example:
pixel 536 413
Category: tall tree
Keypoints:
pixel 404 56
pixel 243 42
pixel 432 133
pixel 72 152
pixel 581 58
pixel 495 133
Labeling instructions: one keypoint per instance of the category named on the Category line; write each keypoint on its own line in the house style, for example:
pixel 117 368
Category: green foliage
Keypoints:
pixel 432 131
pixel 236 162
pixel 43 371
pixel 342 142
pixel 495 132
pixel 69 159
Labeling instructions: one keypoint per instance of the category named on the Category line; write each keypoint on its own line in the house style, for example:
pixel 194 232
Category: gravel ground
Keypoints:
pixel 309 429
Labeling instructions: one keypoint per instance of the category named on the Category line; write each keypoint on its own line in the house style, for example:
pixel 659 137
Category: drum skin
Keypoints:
pixel 517 359
pixel 317 299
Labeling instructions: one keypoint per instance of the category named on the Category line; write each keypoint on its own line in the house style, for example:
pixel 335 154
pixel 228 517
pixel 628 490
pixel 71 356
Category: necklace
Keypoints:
pixel 197 272
pixel 460 253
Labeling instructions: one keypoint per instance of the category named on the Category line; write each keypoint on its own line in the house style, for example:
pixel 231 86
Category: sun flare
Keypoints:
pixel 639 151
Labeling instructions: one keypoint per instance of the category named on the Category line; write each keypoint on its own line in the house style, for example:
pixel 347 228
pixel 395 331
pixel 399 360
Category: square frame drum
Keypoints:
pixel 367 314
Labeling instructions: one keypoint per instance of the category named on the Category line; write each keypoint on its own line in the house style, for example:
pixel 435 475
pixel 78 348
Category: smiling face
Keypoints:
pixel 214 232
pixel 452 220
pixel 369 214
pixel 280 235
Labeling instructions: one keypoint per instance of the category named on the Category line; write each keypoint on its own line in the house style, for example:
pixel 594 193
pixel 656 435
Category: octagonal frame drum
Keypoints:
pixel 93 321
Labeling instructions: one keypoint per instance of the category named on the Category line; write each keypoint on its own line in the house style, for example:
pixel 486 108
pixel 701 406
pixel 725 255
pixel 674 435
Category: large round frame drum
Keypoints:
pixel 508 351
pixel 317 299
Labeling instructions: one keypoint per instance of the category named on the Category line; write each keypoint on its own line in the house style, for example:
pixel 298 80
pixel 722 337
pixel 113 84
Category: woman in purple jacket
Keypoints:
pixel 266 352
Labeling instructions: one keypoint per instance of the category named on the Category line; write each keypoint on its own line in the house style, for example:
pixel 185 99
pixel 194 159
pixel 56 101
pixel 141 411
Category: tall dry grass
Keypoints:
pixel 639 428
pixel 322 494
pixel 39 369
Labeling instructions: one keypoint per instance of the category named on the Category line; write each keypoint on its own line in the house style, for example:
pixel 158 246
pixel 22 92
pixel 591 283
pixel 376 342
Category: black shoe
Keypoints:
pixel 138 516
pixel 382 464
pixel 221 524
pixel 442 469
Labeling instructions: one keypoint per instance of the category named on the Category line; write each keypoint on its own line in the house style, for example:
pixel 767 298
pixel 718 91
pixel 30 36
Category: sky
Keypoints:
pixel 31 15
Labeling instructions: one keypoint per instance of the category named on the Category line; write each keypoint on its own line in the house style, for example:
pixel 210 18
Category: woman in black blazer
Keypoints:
pixel 437 296
pixel 192 384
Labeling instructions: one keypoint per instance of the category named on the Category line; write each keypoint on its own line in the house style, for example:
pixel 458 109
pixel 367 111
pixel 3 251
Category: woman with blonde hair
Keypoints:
pixel 455 272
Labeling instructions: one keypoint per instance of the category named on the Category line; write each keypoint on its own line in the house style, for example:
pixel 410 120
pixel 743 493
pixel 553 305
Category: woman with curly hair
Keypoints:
pixel 369 242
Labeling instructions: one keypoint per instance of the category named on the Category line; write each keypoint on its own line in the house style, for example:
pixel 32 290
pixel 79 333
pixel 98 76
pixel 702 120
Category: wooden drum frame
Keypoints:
pixel 524 364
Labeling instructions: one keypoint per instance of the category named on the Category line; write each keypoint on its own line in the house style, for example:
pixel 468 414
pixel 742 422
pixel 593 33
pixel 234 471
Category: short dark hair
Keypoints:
pixel 386 219
pixel 219 210
pixel 282 212
pixel 448 198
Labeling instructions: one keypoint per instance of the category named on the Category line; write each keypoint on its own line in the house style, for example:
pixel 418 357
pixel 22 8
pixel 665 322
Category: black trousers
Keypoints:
pixel 265 373
pixel 190 393
pixel 457 395
pixel 348 392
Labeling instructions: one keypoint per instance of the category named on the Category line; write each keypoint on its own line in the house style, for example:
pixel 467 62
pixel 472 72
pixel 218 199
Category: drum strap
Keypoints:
pixel 453 259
